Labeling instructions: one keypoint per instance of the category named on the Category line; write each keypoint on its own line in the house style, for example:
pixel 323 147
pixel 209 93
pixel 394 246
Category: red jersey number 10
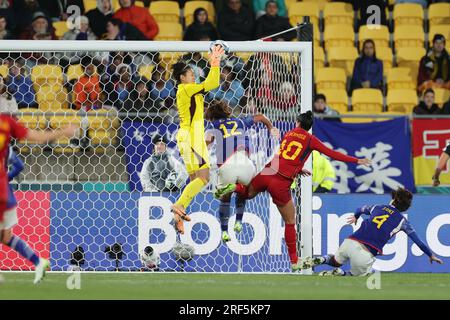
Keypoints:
pixel 290 151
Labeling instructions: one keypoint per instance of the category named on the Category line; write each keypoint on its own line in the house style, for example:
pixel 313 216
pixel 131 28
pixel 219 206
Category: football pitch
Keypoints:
pixel 170 286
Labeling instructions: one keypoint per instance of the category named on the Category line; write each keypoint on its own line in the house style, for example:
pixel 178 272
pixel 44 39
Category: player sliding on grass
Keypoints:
pixel 190 137
pixel 232 151
pixel 279 174
pixel 367 242
pixel 10 128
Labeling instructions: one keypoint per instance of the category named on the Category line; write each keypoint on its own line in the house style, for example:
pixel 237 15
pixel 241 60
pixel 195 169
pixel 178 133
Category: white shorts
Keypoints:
pixel 361 260
pixel 9 219
pixel 238 168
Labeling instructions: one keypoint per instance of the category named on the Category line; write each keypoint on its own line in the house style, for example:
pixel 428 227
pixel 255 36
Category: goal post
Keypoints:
pixel 80 176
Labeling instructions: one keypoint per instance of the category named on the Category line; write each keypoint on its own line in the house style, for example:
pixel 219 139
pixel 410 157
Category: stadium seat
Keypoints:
pixel 32 118
pixel 338 13
pixel 439 13
pixel 441 95
pixel 74 72
pixel 146 71
pixel 139 4
pixel 361 119
pixel 243 55
pixel 400 78
pixel 401 100
pixel 90 4
pixel 379 34
pixel 60 28
pixel 339 36
pixel 169 32
pixel 165 11
pixel 367 100
pixel 336 98
pixel 191 6
pixel 410 58
pixel 102 127
pixel 410 14
pixel 4 70
pixel 46 74
pixel 331 78
pixel 385 55
pixel 319 58
pixel 343 58
pixel 60 121
pixel 320 3
pixel 409 36
pixel 443 29
pixel 297 10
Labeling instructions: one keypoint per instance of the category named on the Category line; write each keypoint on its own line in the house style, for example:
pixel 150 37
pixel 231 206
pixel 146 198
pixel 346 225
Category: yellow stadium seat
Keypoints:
pixel 400 78
pixel 297 10
pixel 319 58
pixel 32 118
pixel 4 70
pixel 139 4
pixel 401 100
pixel 90 4
pixel 338 36
pixel 439 13
pixel 359 119
pixel 338 13
pixel 443 29
pixel 46 74
pixel 385 55
pixel 409 36
pixel 74 72
pixel 191 6
pixel 441 95
pixel 169 32
pixel 378 33
pixel 146 71
pixel 320 3
pixel 410 58
pixel 367 100
pixel 331 78
pixel 51 97
pixel 343 58
pixel 244 55
pixel 408 14
pixel 60 28
pixel 165 11
pixel 102 128
pixel 336 98
pixel 60 121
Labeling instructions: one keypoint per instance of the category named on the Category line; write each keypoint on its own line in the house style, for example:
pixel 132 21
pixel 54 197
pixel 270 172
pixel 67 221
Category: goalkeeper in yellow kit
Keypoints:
pixel 191 134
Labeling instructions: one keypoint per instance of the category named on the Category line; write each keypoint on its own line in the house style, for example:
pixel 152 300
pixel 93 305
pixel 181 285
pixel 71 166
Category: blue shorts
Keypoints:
pixel 12 202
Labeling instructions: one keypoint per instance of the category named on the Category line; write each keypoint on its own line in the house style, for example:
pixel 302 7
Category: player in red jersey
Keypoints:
pixel 10 128
pixel 279 174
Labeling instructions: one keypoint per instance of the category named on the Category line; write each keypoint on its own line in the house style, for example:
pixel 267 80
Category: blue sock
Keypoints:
pixel 224 215
pixel 240 207
pixel 23 249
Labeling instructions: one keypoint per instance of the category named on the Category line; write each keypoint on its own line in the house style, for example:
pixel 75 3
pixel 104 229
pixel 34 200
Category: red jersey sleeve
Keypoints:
pixel 318 145
pixel 18 131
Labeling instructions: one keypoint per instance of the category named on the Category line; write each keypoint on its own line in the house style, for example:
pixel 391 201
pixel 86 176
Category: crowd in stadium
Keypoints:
pixel 366 82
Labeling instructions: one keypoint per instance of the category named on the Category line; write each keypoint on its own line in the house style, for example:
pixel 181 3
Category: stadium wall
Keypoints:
pixel 93 220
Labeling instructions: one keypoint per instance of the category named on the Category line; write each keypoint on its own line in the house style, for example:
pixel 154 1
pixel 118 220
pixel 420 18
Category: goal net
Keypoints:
pixel 101 201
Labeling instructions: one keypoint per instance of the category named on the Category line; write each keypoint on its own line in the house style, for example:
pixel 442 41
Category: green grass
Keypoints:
pixel 224 286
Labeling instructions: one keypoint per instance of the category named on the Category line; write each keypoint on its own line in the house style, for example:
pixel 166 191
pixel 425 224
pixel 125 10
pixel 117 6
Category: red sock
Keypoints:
pixel 290 236
pixel 241 190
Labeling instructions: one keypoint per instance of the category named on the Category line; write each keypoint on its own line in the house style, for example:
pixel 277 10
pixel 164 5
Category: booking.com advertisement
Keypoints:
pixel 95 221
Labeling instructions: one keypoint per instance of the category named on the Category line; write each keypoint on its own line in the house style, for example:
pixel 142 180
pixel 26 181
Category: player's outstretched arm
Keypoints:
pixel 266 121
pixel 441 165
pixel 46 136
pixel 212 81
pixel 318 145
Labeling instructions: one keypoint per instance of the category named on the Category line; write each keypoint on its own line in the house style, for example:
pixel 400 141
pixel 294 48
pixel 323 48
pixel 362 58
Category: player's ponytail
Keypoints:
pixel 402 199
pixel 306 120
pixel 178 69
pixel 217 110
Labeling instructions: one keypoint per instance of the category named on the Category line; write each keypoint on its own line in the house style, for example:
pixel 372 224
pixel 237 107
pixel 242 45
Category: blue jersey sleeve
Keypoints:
pixel 363 210
pixel 412 234
pixel 16 165
pixel 248 121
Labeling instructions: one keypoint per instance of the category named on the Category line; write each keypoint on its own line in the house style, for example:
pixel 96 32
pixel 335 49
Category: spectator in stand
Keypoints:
pixel 7 102
pixel 321 107
pixel 21 85
pixel 200 27
pixel 434 68
pixel 220 5
pixel 260 7
pixel 271 23
pixel 5 33
pixel 199 65
pixel 58 9
pixel 138 17
pixel 7 12
pixel 86 90
pixel 446 108
pixel 39 29
pixel 427 106
pixel 99 17
pixel 139 100
pixel 24 11
pixel 162 89
pixel 118 30
pixel 236 22
pixel 230 90
pixel 119 87
pixel 368 70
pixel 235 63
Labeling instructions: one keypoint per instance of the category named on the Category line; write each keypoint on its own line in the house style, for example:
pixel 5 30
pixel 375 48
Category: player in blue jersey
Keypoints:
pixel 232 150
pixel 361 248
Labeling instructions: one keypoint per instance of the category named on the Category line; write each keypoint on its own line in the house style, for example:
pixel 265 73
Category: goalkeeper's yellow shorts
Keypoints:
pixel 194 153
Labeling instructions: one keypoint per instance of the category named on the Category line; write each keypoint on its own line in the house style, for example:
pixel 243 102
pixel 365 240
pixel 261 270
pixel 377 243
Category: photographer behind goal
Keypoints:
pixel 162 171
